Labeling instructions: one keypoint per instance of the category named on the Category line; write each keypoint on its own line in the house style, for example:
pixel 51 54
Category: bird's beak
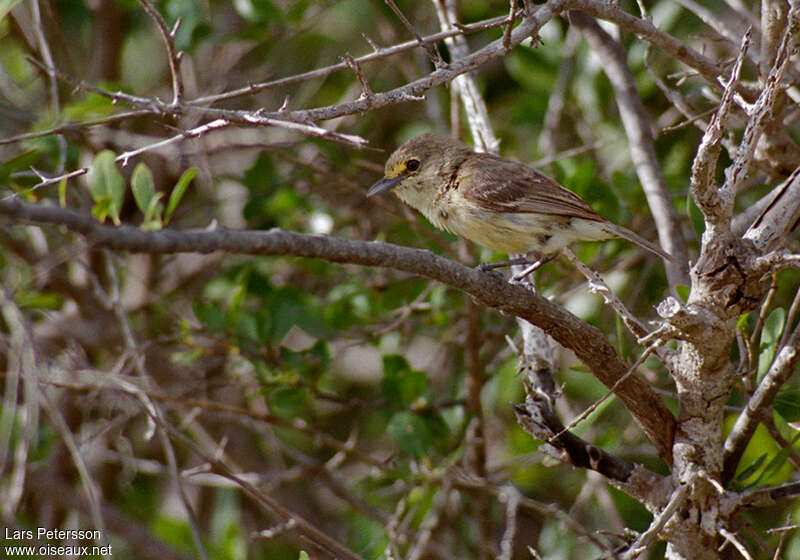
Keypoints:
pixel 383 185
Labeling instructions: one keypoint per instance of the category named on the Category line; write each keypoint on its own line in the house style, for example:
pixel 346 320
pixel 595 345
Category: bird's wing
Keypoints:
pixel 497 184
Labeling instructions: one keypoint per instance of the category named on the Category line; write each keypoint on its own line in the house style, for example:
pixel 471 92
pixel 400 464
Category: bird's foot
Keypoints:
pixel 532 266
pixel 491 267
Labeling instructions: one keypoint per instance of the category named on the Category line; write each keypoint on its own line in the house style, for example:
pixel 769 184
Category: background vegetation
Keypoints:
pixel 206 405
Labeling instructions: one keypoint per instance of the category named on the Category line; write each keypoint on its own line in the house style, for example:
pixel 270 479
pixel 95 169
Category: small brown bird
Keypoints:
pixel 496 202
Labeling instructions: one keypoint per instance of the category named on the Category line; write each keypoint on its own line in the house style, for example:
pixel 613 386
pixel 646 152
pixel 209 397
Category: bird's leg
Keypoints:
pixel 533 266
pixel 490 266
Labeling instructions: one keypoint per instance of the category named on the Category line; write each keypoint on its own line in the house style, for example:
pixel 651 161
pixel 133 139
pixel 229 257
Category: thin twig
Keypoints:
pixel 732 539
pixel 512 10
pixel 509 496
pixel 366 91
pixel 429 48
pixel 641 143
pixel 598 285
pixel 47 56
pixel 679 495
pixel 590 409
pixel 138 359
pixel 376 54
pixel 790 317
pixel 173 56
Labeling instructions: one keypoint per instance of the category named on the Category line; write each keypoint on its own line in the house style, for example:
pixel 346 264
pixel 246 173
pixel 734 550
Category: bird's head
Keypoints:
pixel 423 163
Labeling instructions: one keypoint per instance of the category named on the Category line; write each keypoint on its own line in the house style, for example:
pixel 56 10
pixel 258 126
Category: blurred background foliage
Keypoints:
pixel 341 391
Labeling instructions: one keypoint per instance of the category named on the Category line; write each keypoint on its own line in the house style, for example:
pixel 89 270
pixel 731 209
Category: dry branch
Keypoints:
pixel 588 343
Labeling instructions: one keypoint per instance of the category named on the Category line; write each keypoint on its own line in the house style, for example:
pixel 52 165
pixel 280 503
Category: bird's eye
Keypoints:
pixel 412 165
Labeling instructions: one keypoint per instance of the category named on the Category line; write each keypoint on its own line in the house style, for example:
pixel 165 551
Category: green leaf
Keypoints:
pixel 683 292
pixel 402 385
pixel 178 192
pixel 62 193
pixel 303 555
pixel 741 322
pixel 247 327
pixel 107 186
pixel 779 460
pixel 394 363
pixel 258 11
pixel 210 315
pixel 287 401
pixel 21 162
pixel 773 327
pixel 142 187
pixel 787 404
pixel 152 216
pixel 90 106
pixel 100 210
pixel 410 432
pixel 752 467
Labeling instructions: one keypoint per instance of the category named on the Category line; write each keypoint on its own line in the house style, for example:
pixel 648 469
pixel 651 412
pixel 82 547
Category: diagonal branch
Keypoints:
pixel 377 54
pixel 588 343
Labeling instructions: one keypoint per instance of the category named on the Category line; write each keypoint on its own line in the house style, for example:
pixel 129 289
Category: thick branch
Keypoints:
pixel 779 217
pixel 588 343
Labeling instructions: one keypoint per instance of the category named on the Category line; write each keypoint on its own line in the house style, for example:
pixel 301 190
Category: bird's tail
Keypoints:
pixel 625 233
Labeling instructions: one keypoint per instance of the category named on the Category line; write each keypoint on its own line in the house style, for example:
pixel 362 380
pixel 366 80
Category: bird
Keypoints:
pixel 496 202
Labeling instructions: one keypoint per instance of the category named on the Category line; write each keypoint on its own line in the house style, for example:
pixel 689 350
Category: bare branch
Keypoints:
pixel 716 208
pixel 191 133
pixel 429 48
pixel 512 9
pixel 366 91
pixel 597 285
pixel 173 57
pixel 677 499
pixel 307 529
pixel 474 105
pixel 377 54
pixel 47 56
pixel 734 540
pixel 75 126
pixel 780 216
pixel 761 110
pixel 588 343
pixel 136 534
pixel 773 23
